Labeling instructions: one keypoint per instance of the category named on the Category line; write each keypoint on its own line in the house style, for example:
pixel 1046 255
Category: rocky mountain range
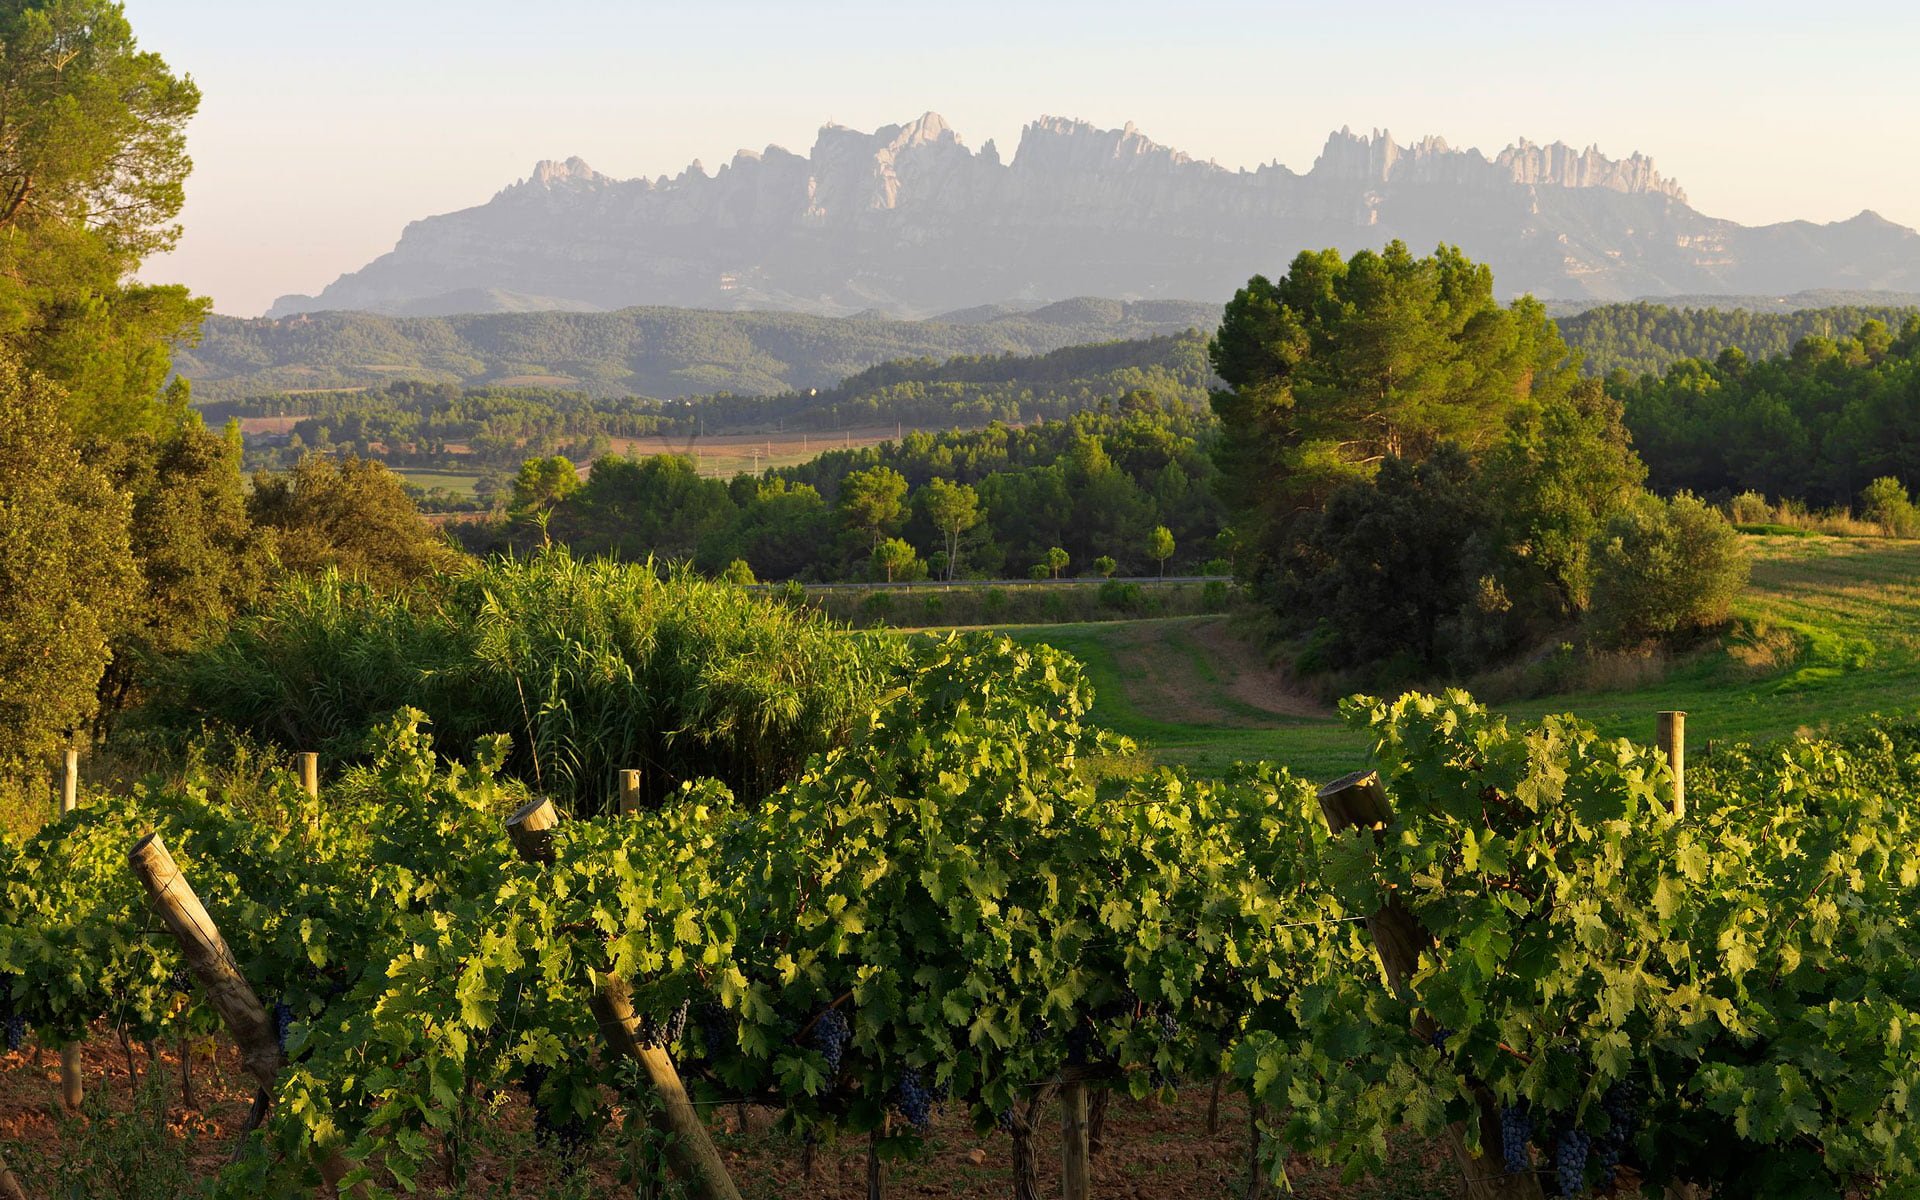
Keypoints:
pixel 909 221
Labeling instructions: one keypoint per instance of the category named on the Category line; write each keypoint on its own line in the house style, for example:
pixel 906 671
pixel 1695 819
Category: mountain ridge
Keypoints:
pixel 909 220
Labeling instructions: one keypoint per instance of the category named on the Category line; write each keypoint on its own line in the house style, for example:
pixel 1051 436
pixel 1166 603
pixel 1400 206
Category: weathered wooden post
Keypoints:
pixel 531 830
pixel 629 793
pixel 72 1089
pixel 213 967
pixel 10 1186
pixel 690 1151
pixel 876 1168
pixel 1359 800
pixel 310 774
pixel 208 958
pixel 1671 733
pixel 1075 1161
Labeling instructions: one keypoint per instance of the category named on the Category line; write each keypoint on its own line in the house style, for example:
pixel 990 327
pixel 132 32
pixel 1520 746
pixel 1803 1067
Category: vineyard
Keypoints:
pixel 1529 944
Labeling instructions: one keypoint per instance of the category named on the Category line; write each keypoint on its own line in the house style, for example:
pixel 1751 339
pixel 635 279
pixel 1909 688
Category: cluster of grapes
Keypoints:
pixel 913 1099
pixel 179 981
pixel 667 1033
pixel 716 1028
pixel 830 1037
pixel 1516 1132
pixel 282 1022
pixel 1004 1120
pixel 566 1137
pixel 1570 1161
pixel 16 1025
pixel 1622 1106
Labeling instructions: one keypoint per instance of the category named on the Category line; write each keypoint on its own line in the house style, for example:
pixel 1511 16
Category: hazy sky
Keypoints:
pixel 327 127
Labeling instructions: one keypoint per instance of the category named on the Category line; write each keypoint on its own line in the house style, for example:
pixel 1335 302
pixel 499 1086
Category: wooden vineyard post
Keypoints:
pixel 213 968
pixel 876 1167
pixel 10 1187
pixel 72 1089
pixel 690 1151
pixel 310 774
pixel 1671 733
pixel 1359 800
pixel 208 958
pixel 1075 1161
pixel 629 793
pixel 531 830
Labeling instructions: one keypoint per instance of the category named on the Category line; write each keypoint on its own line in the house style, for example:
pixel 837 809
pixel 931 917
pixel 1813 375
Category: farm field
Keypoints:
pixel 725 455
pixel 459 483
pixel 1827 631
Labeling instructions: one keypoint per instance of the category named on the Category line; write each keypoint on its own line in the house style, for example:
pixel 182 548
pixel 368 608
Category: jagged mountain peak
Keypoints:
pixel 906 218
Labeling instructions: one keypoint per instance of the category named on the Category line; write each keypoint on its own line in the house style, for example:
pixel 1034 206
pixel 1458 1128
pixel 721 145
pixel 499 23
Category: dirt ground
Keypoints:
pixel 1151 1150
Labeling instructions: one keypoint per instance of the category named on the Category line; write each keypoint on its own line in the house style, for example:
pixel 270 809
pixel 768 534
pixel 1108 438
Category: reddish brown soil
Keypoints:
pixel 1152 1151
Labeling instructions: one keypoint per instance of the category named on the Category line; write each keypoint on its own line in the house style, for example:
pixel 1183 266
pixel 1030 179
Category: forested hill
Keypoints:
pixel 1645 338
pixel 664 353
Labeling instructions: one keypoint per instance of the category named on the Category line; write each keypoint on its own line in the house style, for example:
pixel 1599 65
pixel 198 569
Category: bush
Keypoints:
pixel 591 667
pixel 1750 508
pixel 1885 503
pixel 1127 597
pixel 1666 568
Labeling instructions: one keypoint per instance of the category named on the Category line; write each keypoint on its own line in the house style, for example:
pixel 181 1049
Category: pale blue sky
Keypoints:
pixel 326 127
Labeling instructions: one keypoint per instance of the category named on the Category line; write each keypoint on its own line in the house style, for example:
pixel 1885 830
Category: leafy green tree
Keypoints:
pixel 1104 566
pixel 350 514
pixel 93 165
pixel 543 483
pixel 739 572
pixel 1664 568
pixel 1380 574
pixel 873 500
pixel 1565 468
pixel 201 559
pixel 1160 547
pixel 896 558
pixel 1057 560
pixel 953 508
pixel 67 573
pixel 1341 364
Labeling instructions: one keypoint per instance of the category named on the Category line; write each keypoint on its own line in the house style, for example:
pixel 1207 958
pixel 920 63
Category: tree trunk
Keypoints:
pixel 1026 1160
pixel 1097 1102
pixel 1213 1105
pixel 1256 1170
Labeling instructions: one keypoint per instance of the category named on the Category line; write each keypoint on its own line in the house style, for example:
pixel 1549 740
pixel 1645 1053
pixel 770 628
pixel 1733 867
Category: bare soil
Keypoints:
pixel 1152 1150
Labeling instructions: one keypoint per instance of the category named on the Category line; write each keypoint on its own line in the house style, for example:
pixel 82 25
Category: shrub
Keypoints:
pixel 1885 503
pixel 592 667
pixel 1665 568
pixel 1750 508
pixel 1127 597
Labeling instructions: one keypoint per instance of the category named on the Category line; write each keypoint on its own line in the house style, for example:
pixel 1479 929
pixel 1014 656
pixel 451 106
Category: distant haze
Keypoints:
pixel 326 129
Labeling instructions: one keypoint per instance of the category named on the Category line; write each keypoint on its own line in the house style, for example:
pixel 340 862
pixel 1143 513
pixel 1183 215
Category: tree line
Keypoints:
pixel 1126 488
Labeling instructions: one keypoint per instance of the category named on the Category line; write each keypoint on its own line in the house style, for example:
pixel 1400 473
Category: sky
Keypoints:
pixel 325 128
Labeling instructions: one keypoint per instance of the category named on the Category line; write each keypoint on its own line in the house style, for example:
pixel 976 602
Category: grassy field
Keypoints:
pixel 725 455
pixel 459 483
pixel 1828 631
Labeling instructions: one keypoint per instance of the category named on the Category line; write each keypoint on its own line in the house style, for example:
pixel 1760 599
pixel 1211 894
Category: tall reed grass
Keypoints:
pixel 590 666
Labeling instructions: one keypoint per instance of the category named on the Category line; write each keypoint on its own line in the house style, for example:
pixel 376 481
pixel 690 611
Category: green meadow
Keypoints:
pixel 1826 633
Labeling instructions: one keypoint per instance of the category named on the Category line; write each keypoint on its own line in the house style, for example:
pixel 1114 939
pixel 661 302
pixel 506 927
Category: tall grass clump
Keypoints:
pixel 590 666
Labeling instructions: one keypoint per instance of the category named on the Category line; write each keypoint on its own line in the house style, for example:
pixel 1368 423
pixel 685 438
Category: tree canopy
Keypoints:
pixel 1344 362
pixel 93 165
